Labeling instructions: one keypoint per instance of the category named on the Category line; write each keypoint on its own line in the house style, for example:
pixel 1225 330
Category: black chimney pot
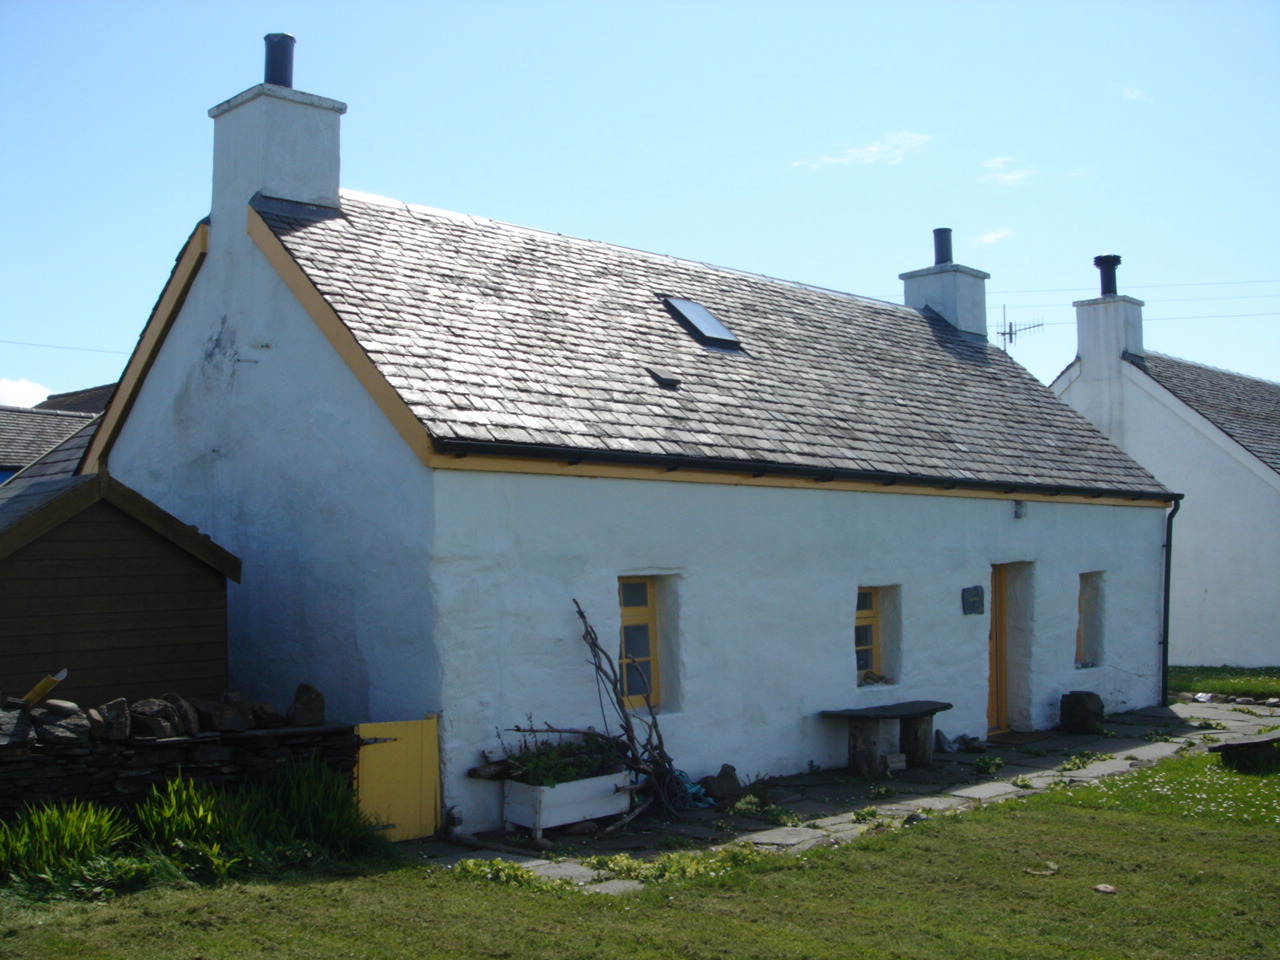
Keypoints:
pixel 941 245
pixel 279 69
pixel 1107 264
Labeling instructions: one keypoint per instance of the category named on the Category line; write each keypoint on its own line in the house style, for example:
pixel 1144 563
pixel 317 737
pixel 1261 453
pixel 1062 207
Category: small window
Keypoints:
pixel 866 634
pixel 1089 621
pixel 700 322
pixel 638 653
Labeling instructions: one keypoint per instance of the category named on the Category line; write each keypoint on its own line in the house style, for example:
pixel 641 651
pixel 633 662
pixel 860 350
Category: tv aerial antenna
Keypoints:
pixel 1010 331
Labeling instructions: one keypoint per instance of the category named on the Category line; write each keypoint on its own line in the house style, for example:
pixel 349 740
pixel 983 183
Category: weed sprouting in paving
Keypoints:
pixel 1081 759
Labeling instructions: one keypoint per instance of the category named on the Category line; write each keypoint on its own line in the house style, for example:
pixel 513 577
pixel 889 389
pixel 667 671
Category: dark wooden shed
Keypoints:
pixel 98 579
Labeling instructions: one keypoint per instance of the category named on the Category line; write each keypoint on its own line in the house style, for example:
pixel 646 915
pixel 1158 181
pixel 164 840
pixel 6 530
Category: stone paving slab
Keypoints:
pixel 786 836
pixel 694 831
pixel 1103 768
pixel 938 803
pixel 1151 751
pixel 565 870
pixel 838 822
pixel 984 791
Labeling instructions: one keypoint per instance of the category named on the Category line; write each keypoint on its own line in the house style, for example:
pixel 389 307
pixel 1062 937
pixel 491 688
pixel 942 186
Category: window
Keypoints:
pixel 701 323
pixel 638 657
pixel 1089 622
pixel 866 633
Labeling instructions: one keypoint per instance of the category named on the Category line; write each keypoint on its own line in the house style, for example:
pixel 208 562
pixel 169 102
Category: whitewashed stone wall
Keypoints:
pixel 1225 607
pixel 761 585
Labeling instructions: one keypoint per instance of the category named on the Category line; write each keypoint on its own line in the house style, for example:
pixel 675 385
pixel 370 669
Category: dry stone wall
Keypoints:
pixel 117 752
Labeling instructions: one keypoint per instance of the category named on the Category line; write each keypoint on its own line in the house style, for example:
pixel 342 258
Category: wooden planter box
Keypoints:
pixel 540 807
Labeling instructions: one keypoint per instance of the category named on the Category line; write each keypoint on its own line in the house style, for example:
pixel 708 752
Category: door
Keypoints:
pixel 398 777
pixel 998 677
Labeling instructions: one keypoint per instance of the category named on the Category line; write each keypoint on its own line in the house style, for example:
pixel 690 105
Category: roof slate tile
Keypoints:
pixel 494 332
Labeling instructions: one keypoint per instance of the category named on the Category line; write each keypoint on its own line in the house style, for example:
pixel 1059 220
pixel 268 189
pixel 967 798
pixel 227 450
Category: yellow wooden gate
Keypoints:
pixel 398 777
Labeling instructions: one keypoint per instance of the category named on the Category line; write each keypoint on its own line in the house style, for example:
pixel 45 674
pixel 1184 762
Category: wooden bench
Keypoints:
pixel 1260 752
pixel 915 733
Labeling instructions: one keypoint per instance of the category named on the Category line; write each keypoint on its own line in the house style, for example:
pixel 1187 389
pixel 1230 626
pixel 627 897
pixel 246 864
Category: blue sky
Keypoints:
pixel 812 141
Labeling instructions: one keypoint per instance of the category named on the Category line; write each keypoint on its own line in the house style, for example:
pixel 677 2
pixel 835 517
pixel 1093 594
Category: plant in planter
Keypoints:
pixel 544 765
pixel 552 783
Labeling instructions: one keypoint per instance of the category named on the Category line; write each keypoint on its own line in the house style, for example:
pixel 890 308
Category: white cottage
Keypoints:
pixel 1215 436
pixel 426 433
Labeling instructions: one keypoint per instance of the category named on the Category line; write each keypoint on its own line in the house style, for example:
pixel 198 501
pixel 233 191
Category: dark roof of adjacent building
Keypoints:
pixel 88 400
pixel 50 492
pixel 45 478
pixel 1247 409
pixel 512 341
pixel 26 433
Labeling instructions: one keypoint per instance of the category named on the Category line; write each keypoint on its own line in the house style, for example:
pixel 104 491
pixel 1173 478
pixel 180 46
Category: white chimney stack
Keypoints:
pixel 956 293
pixel 274 140
pixel 1107 327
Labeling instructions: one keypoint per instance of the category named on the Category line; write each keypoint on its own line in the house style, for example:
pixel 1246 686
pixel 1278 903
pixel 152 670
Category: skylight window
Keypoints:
pixel 698 320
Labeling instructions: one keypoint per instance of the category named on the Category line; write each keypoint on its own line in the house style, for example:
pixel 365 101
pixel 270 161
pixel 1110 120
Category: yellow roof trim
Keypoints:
pixel 561 468
pixel 341 339
pixel 148 348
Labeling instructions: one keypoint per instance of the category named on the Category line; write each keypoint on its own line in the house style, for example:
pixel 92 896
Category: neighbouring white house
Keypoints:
pixel 427 433
pixel 1212 435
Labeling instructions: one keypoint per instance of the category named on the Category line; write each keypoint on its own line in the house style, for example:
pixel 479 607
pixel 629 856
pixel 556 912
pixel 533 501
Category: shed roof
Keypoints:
pixel 506 340
pixel 50 491
pixel 26 433
pixel 1247 409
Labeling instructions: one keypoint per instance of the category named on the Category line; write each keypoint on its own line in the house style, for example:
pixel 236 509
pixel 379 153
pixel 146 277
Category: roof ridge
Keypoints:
pixel 48 411
pixel 412 208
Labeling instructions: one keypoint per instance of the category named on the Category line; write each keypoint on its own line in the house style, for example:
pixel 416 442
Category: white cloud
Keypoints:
pixel 1079 172
pixel 1000 174
pixel 22 393
pixel 995 236
pixel 1133 93
pixel 891 148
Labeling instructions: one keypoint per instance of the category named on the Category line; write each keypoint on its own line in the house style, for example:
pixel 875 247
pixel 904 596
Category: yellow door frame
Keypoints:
pixel 998 675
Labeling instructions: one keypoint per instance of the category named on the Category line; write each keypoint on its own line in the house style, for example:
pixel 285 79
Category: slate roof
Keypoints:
pixel 88 400
pixel 26 433
pixel 507 340
pixel 1247 409
pixel 47 477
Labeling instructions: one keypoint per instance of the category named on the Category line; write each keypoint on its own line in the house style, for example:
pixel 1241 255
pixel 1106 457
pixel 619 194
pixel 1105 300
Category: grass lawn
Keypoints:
pixel 1256 682
pixel 1193 879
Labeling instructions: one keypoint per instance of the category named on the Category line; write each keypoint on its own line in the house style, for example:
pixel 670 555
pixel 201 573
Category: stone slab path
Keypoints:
pixel 841 808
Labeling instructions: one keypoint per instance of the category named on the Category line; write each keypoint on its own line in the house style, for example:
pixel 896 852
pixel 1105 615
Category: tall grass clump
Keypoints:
pixel 68 850
pixel 188 830
pixel 311 805
pixel 195 826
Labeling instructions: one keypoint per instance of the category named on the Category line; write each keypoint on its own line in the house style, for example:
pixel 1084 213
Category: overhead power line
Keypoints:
pixel 61 346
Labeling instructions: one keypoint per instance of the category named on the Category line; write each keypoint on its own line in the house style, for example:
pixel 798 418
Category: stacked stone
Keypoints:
pixel 115 753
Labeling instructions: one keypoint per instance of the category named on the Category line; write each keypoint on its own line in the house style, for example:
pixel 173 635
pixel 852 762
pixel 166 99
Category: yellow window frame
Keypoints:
pixel 867 616
pixel 639 616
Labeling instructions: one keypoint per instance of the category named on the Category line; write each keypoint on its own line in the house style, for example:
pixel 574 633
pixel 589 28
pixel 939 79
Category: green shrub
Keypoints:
pixel 67 850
